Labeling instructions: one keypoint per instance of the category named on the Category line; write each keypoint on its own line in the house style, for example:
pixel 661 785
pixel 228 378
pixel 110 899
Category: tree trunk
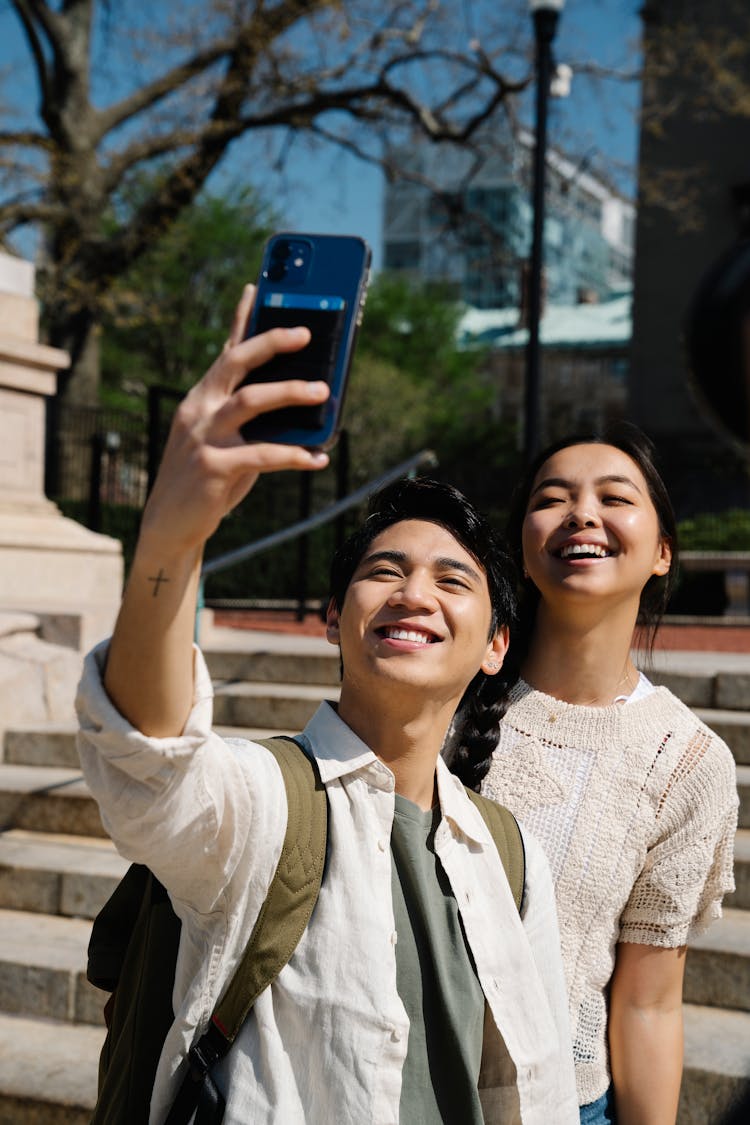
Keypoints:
pixel 79 335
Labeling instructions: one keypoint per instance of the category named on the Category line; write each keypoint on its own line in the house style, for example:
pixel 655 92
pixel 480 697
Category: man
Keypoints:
pixel 417 993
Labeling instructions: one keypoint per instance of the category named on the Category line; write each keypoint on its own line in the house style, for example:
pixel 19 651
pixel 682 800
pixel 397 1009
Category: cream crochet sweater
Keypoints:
pixel 636 808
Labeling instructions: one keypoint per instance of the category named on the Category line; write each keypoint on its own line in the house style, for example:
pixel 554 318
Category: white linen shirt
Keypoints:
pixel 327 1041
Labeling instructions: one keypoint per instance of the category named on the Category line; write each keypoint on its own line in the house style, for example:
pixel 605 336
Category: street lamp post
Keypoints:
pixel 545 15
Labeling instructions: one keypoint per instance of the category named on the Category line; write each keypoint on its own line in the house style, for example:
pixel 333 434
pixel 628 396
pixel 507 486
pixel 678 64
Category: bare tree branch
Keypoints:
pixel 149 95
pixel 26 139
pixel 25 8
pixel 17 214
pixel 244 67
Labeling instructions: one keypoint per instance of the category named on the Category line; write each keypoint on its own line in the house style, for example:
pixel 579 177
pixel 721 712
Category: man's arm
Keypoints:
pixel 206 470
pixel 645 1033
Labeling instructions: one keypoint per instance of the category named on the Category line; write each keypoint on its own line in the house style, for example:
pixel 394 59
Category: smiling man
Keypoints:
pixel 418 993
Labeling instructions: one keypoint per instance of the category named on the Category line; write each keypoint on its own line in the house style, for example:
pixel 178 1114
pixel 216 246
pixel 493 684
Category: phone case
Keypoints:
pixel 319 281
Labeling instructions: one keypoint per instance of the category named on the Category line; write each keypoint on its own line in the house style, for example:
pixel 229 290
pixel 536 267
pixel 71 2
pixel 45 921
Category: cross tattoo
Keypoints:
pixel 157 582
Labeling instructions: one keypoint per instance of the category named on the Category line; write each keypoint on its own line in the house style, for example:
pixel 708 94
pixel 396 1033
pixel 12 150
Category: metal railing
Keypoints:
pixel 425 459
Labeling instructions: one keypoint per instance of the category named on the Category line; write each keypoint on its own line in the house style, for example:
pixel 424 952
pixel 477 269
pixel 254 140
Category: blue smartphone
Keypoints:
pixel 320 281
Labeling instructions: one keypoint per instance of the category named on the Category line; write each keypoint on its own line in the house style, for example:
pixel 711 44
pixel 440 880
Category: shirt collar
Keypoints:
pixel 339 751
pixel 457 808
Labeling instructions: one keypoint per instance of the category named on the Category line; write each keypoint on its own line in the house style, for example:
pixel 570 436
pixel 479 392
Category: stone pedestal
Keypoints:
pixel 71 578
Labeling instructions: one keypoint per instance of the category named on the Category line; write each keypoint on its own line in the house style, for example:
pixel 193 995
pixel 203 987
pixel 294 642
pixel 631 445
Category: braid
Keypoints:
pixel 475 729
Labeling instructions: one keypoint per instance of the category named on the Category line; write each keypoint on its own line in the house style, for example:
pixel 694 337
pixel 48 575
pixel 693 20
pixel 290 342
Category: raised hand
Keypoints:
pixel 206 470
pixel 207 467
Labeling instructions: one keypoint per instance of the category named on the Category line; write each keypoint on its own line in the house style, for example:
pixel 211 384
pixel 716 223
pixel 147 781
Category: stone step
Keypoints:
pixel 732 690
pixel 292 667
pixel 48 1071
pixel 47 799
pixel 43 744
pixel 283 707
pixel 42 963
pixel 702 679
pixel 43 968
pixel 44 873
pixel 717 1063
pixel 74 875
pixel 717 970
pixel 55 798
pixel 55 744
pixel 743 788
pixel 740 900
pixel 733 727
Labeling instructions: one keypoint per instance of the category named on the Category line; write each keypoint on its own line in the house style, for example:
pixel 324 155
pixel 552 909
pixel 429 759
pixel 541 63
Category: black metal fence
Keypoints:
pixel 101 463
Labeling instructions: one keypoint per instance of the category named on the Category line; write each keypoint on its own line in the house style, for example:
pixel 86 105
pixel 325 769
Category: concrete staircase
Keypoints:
pixel 57 868
pixel 717 974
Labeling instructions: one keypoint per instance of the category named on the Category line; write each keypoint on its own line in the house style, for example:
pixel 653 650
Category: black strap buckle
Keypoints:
pixel 203 1055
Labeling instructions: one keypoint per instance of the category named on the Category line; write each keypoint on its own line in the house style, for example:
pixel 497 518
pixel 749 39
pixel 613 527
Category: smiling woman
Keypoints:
pixel 632 797
pixel 592 540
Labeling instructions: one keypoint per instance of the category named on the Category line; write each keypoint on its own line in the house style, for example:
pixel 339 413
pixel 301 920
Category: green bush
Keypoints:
pixel 716 531
pixel 704 592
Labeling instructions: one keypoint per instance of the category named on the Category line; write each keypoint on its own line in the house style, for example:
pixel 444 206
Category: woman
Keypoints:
pixel 632 797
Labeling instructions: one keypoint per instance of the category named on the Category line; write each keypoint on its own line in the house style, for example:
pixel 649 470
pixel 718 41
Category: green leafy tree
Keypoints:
pixel 438 395
pixel 168 316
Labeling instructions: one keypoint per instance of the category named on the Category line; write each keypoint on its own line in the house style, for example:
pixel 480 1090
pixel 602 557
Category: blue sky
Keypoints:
pixel 328 190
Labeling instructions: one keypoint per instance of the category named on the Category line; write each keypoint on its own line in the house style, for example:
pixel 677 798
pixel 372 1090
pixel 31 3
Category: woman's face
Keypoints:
pixel 591 530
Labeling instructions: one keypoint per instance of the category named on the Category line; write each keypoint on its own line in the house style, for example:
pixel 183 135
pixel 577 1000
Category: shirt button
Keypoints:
pixel 394 938
pixel 467 898
pixel 382 844
pixel 395 1035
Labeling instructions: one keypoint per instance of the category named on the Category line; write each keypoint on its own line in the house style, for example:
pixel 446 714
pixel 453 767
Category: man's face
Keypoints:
pixel 416 615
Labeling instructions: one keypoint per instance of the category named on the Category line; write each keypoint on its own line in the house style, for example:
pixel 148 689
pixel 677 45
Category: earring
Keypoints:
pixel 493 665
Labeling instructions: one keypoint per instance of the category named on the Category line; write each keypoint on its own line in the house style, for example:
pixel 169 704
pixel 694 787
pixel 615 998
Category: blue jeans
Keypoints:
pixel 600 1112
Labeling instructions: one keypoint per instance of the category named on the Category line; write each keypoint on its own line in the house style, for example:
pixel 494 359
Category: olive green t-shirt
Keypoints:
pixel 436 980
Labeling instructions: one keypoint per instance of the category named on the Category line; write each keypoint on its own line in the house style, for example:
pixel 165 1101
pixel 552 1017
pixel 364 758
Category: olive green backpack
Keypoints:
pixel 136 935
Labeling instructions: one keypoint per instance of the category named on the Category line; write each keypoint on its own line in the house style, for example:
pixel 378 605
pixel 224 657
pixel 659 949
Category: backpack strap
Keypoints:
pixel 282 920
pixel 293 892
pixel 505 832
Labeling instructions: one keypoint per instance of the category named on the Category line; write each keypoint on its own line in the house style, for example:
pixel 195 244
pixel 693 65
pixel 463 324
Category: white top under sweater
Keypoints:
pixel 636 808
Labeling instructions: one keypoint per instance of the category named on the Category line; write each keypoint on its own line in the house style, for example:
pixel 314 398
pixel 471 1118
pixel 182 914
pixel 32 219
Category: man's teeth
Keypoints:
pixel 408 635
pixel 584 549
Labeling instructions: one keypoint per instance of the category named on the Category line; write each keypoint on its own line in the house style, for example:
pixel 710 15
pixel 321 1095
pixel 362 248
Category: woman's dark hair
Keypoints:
pixel 475 728
pixel 657 591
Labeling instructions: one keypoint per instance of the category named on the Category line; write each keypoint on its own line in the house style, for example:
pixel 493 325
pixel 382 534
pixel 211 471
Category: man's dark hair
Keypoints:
pixel 475 728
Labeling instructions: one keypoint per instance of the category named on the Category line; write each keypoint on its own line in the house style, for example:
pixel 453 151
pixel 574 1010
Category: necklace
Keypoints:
pixel 603 700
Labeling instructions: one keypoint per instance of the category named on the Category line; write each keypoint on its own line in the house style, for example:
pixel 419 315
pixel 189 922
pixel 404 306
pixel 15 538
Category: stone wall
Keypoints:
pixel 69 577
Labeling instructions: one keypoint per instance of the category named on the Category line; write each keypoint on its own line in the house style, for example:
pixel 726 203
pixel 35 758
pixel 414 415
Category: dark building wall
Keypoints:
pixel 693 157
